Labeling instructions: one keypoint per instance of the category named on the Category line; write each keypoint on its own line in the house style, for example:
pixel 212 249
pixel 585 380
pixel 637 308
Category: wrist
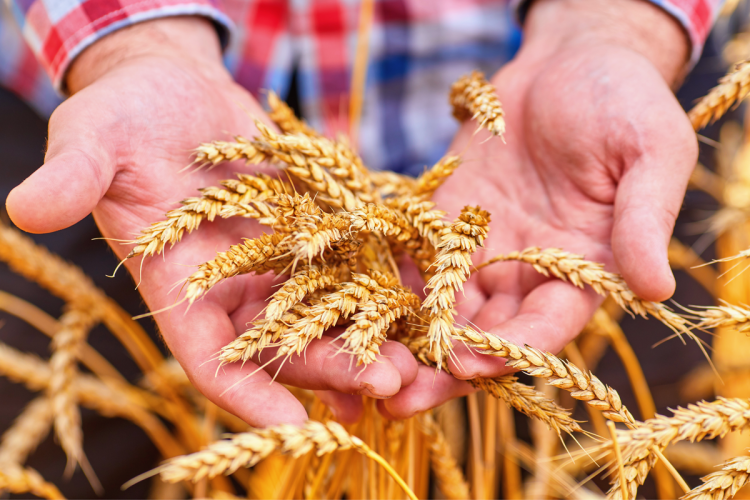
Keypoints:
pixel 638 25
pixel 191 39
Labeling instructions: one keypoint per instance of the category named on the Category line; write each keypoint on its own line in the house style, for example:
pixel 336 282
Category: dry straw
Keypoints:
pixel 449 476
pixel 732 88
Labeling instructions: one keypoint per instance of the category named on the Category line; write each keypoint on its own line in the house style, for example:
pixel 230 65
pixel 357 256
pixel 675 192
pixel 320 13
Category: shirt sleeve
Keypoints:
pixel 57 31
pixel 696 17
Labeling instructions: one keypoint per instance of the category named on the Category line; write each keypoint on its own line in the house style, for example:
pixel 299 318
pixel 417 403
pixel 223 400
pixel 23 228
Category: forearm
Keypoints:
pixel 193 39
pixel 553 25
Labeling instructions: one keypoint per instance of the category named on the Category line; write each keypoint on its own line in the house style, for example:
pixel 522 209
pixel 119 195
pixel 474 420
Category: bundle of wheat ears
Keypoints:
pixel 336 233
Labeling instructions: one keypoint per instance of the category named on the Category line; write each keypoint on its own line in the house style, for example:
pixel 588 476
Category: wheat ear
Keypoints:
pixel 723 484
pixel 74 327
pixel 449 476
pixel 732 88
pixel 724 315
pixel 247 196
pixel 522 397
pixel 248 448
pixel 472 96
pixel 563 375
pixel 213 153
pixel 698 421
pixel 19 480
pixel 389 183
pixel 578 271
pixel 29 429
pixel 283 116
pixel 433 178
pixel 453 268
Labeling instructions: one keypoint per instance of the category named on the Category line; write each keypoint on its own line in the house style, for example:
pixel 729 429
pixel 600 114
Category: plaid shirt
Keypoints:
pixel 417 49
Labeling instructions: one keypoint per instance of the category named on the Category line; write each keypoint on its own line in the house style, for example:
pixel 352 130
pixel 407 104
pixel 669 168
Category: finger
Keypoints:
pixel 550 316
pixel 346 408
pixel 648 201
pixel 323 367
pixel 76 174
pixel 195 337
pixel 429 389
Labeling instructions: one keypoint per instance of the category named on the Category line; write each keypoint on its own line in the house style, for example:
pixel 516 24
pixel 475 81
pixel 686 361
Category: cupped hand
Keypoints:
pixel 597 160
pixel 118 147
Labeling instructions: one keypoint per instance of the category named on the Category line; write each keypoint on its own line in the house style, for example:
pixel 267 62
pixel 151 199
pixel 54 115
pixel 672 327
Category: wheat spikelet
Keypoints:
pixel 732 88
pixel 373 319
pixel 297 288
pixel 725 315
pixel 453 267
pixel 283 116
pixel 29 429
pixel 248 448
pixel 474 97
pixel 74 328
pixel 563 375
pixel 213 153
pixel 258 255
pixel 698 421
pixel 19 480
pixel 431 179
pixel 449 476
pixel 385 220
pixel 724 484
pixel 326 166
pixel 246 197
pixel 522 397
pixel 578 271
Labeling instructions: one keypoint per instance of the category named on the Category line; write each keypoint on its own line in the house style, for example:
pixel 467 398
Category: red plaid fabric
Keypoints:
pixel 417 49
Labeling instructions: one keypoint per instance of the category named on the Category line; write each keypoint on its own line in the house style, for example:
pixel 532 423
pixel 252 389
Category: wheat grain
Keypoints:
pixel 698 421
pixel 29 429
pixel 474 97
pixel 449 476
pixel 732 88
pixel 19 480
pixel 453 268
pixel 283 116
pixel 248 448
pixel 578 271
pixel 723 484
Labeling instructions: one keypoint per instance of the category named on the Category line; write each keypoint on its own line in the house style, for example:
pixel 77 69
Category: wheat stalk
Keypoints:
pixel 29 429
pixel 19 480
pixel 732 88
pixel 248 448
pixel 449 476
pixel 453 268
pixel 698 421
pixel 474 97
pixel 723 484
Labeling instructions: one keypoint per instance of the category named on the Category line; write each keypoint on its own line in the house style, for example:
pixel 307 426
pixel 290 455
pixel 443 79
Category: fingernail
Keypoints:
pixel 367 390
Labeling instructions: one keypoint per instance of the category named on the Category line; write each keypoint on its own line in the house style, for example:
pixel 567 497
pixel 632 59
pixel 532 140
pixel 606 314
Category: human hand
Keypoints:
pixel 597 160
pixel 144 97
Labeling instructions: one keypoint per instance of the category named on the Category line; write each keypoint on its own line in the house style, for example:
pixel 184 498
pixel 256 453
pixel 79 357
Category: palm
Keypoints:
pixel 162 112
pixel 596 162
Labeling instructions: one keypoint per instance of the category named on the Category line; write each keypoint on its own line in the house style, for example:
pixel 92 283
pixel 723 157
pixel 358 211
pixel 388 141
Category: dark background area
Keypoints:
pixel 22 142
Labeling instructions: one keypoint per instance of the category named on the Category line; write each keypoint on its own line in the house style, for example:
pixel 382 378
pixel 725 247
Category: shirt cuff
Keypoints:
pixel 696 17
pixel 58 31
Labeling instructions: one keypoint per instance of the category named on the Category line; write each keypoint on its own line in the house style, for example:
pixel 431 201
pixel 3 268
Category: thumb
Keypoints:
pixel 67 187
pixel 648 200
